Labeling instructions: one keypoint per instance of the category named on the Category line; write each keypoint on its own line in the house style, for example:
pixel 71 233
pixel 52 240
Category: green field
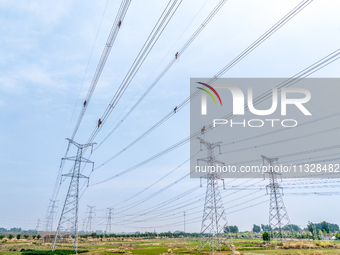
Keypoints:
pixel 112 246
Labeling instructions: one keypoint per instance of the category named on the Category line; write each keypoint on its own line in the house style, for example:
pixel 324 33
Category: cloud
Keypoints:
pixel 44 11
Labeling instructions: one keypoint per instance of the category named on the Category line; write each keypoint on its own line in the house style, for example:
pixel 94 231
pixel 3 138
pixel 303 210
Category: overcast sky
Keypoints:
pixel 45 48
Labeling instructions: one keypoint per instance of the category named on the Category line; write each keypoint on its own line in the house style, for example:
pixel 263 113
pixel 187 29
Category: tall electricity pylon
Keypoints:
pixel 84 222
pixel 109 220
pixel 90 216
pixel 214 230
pixel 37 228
pixel 68 222
pixel 278 216
pixel 48 224
pixel 184 221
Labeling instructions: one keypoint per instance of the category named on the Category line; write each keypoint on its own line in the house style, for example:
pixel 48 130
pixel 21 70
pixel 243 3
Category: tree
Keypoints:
pixel 335 227
pixel 266 228
pixel 292 227
pixel 26 236
pixel 18 236
pixel 266 236
pixel 325 226
pixel 38 237
pixel 337 235
pixel 233 229
pixel 34 236
pixel 310 227
pixel 10 236
pixel 2 236
pixel 256 229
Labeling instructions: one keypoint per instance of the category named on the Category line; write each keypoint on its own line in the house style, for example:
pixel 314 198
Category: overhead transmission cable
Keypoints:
pixel 107 48
pixel 158 29
pixel 254 45
pixel 169 65
pixel 169 149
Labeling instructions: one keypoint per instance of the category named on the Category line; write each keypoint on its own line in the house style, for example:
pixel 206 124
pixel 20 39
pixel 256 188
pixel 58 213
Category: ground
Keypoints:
pixel 112 246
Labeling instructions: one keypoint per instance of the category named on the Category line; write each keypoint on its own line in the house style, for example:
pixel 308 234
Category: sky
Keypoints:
pixel 46 69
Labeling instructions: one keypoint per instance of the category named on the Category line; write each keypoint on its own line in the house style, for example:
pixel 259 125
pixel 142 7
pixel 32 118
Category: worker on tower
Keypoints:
pixel 99 122
pixel 120 23
pixel 202 130
pixel 175 109
pixel 85 103
pixel 176 55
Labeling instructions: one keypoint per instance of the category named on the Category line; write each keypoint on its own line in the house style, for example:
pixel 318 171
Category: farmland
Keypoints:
pixel 111 246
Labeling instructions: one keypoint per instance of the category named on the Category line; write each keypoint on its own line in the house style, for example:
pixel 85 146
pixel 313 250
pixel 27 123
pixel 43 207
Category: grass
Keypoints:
pixel 10 253
pixel 297 252
pixel 179 246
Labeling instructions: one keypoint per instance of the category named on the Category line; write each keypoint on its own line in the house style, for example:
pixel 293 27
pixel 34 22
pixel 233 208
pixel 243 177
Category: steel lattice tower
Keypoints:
pixel 184 221
pixel 37 228
pixel 48 224
pixel 109 221
pixel 214 230
pixel 84 222
pixel 68 222
pixel 278 216
pixel 89 219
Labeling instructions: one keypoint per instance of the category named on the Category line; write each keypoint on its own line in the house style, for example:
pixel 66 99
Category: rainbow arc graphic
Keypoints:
pixel 209 93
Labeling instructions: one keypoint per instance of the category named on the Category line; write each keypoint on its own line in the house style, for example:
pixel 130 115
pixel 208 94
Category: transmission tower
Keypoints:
pixel 68 222
pixel 278 216
pixel 84 222
pixel 184 221
pixel 109 220
pixel 214 230
pixel 48 224
pixel 37 228
pixel 90 216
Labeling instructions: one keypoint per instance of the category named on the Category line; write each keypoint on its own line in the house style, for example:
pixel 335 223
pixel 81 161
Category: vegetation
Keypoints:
pixel 292 227
pixel 324 226
pixel 157 245
pixel 266 236
pixel 169 234
pixel 256 229
pixel 49 252
pixel 266 228
pixel 233 229
pixel 18 236
pixel 10 236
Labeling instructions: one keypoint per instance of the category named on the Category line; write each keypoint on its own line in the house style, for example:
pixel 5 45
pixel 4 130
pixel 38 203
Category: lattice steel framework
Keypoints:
pixel 109 220
pixel 37 228
pixel 90 217
pixel 48 223
pixel 215 231
pixel 278 216
pixel 68 222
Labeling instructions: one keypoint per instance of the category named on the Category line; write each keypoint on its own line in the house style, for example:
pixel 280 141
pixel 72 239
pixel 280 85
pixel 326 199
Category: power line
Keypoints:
pixel 169 65
pixel 158 29
pixel 177 145
pixel 254 45
pixel 107 49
